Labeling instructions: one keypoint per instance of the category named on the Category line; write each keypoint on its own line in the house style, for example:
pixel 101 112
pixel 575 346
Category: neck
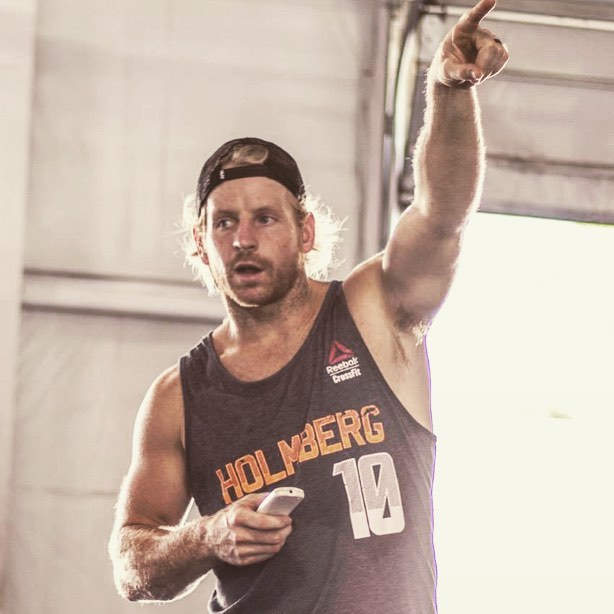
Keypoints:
pixel 286 316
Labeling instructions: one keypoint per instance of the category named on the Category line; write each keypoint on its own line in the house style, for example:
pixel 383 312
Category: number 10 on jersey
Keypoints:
pixel 371 486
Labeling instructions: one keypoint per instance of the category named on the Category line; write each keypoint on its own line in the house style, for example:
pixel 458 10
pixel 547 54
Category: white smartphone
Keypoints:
pixel 282 501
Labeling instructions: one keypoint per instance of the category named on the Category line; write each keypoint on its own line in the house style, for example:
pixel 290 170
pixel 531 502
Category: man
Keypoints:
pixel 309 384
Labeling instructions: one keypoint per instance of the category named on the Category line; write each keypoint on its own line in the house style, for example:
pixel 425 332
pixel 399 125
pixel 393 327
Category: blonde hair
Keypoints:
pixel 318 261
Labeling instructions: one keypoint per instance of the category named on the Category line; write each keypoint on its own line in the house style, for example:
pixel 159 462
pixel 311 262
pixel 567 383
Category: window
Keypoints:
pixel 522 358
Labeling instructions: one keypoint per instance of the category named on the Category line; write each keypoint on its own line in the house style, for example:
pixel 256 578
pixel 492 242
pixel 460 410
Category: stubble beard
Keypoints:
pixel 281 282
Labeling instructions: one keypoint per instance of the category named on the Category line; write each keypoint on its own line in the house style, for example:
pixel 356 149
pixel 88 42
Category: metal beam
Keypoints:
pixel 554 12
pixel 141 298
pixel 371 130
pixel 403 53
pixel 531 14
pixel 17 56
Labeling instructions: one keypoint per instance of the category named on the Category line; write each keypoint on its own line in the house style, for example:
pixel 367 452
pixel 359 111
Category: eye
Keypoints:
pixel 266 219
pixel 223 223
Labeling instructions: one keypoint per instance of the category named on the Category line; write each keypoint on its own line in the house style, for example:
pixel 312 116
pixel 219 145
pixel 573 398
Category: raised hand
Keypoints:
pixel 469 54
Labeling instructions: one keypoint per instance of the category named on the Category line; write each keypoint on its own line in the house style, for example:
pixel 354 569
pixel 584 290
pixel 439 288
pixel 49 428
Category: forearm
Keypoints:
pixel 449 157
pixel 159 564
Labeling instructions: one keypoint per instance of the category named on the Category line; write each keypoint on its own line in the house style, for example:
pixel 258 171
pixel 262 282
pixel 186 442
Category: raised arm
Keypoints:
pixel 156 557
pixel 420 259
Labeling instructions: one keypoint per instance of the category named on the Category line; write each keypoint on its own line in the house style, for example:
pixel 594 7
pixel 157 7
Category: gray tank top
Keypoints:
pixel 327 422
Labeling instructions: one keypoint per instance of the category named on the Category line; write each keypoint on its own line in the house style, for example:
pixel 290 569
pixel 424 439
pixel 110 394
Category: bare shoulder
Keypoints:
pixel 364 291
pixel 397 346
pixel 160 417
pixel 379 319
pixel 155 491
pixel 167 386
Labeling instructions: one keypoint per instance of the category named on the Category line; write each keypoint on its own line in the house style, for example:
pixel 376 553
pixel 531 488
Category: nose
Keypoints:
pixel 245 237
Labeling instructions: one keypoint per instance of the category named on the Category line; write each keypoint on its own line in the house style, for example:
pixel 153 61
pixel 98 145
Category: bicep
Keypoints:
pixel 418 266
pixel 155 491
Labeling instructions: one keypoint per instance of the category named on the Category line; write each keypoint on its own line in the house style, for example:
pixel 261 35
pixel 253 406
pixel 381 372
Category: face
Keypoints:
pixel 253 243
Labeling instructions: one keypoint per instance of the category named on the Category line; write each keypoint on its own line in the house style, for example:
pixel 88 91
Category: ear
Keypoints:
pixel 308 233
pixel 197 233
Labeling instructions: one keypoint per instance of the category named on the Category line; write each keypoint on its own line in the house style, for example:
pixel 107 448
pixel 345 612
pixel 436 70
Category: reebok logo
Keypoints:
pixel 338 352
pixel 342 363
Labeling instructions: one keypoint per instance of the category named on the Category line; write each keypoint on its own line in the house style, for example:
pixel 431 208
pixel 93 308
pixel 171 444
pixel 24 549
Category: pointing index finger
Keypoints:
pixel 472 18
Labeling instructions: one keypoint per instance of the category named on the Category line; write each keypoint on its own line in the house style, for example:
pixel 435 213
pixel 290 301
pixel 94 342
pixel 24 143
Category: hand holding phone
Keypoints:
pixel 282 501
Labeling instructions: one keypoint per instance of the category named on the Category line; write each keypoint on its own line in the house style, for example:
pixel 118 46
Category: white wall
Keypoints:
pixel 130 98
pixel 81 379
pixel 126 102
pixel 16 58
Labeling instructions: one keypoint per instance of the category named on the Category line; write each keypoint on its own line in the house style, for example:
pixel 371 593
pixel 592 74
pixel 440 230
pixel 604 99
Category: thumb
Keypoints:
pixel 254 500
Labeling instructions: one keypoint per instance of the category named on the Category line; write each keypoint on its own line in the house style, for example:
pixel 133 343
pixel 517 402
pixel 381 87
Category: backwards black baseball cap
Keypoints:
pixel 279 165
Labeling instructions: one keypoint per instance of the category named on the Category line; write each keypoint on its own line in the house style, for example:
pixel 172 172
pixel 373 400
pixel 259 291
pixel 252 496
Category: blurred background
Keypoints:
pixel 109 109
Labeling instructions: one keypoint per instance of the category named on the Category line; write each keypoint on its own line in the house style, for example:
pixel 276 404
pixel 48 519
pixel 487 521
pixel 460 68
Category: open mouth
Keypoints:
pixel 247 270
